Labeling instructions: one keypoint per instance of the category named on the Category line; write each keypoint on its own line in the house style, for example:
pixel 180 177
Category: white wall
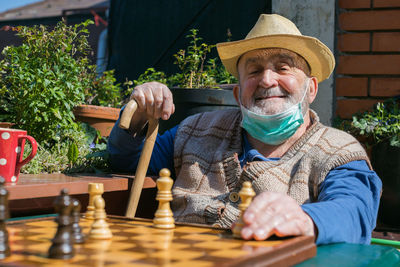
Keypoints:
pixel 314 18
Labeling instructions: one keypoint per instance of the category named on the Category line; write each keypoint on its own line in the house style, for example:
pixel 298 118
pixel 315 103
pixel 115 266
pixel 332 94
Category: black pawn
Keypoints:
pixel 62 243
pixel 4 215
pixel 77 234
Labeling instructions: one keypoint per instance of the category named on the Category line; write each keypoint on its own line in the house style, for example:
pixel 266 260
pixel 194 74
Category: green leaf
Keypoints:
pixel 98 154
pixel 395 141
pixel 57 114
pixel 90 133
pixel 72 153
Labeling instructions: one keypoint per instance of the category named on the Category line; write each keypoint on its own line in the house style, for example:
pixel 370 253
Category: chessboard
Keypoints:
pixel 136 242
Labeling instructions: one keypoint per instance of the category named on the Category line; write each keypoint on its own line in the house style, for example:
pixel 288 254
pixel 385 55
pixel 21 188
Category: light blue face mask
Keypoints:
pixel 274 129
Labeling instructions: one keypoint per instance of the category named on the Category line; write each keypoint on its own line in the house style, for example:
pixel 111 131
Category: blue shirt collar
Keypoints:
pixel 251 154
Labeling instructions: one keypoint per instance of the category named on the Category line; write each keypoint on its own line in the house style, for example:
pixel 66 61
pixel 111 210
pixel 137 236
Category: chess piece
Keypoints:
pixel 94 189
pixel 62 243
pixel 77 234
pixel 163 218
pixel 246 196
pixel 4 215
pixel 99 228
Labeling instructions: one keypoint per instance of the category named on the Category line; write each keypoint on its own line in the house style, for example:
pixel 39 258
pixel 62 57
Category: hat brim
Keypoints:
pixel 317 55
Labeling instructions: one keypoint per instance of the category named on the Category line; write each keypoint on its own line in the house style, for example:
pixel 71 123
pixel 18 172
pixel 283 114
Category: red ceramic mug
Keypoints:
pixel 12 142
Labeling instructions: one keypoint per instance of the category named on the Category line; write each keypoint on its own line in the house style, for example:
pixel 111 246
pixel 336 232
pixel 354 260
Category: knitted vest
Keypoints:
pixel 208 170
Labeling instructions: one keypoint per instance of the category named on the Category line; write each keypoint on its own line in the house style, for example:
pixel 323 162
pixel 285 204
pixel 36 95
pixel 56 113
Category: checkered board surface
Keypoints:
pixel 138 243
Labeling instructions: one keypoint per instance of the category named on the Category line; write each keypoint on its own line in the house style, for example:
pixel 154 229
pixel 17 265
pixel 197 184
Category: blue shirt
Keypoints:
pixel 348 199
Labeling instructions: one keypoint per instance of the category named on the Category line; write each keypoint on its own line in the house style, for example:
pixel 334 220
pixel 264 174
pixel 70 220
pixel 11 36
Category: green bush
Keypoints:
pixel 151 75
pixel 382 124
pixel 42 80
pixel 104 91
pixel 80 151
pixel 194 70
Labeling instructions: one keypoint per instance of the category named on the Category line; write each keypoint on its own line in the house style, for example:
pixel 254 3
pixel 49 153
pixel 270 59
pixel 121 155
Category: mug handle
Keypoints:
pixel 33 152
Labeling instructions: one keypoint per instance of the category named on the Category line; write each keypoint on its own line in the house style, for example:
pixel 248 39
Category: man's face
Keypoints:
pixel 271 80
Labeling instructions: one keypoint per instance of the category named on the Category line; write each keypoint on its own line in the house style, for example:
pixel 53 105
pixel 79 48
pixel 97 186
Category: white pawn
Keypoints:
pixel 94 190
pixel 163 218
pixel 99 228
pixel 246 196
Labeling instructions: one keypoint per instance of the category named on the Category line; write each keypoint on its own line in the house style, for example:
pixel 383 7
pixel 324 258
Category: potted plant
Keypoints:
pixel 102 103
pixel 42 81
pixel 379 131
pixel 200 85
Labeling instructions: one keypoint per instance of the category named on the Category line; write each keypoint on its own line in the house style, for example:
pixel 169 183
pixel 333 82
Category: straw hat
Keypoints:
pixel 272 30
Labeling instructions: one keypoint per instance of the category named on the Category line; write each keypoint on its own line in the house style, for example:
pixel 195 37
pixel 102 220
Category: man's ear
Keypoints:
pixel 313 89
pixel 236 93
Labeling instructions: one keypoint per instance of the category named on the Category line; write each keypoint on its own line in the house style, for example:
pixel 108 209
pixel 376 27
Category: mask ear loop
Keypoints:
pixel 307 85
pixel 240 96
pixel 305 89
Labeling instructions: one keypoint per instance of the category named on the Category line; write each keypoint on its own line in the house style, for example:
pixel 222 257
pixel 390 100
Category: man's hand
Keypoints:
pixel 154 100
pixel 275 213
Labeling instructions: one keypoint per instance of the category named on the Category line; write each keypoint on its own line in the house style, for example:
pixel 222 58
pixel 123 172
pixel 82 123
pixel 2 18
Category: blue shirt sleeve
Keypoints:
pixel 347 205
pixel 125 151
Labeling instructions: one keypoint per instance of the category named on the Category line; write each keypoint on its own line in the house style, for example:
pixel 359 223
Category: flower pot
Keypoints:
pixel 385 160
pixel 192 101
pixel 6 124
pixel 100 118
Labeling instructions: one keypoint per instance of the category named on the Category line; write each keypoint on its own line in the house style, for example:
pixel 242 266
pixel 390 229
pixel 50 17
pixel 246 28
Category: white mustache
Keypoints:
pixel 271 92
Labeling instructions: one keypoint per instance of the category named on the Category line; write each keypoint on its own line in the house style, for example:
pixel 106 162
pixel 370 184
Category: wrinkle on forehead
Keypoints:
pixel 291 58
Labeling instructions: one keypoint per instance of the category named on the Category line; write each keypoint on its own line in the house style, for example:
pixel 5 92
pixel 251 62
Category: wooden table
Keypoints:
pixel 34 194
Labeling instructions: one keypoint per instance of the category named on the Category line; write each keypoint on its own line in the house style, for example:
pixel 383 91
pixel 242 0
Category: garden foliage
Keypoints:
pixel 41 81
pixel 381 124
pixel 195 71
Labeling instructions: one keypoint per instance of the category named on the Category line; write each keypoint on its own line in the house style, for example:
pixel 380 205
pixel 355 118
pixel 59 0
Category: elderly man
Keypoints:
pixel 310 179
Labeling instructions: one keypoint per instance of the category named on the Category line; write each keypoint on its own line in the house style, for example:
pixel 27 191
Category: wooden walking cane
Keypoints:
pixel 144 160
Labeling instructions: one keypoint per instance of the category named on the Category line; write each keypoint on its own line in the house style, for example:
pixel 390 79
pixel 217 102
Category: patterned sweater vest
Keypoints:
pixel 206 149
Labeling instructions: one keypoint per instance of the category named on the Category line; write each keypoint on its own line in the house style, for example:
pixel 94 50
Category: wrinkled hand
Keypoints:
pixel 154 100
pixel 275 213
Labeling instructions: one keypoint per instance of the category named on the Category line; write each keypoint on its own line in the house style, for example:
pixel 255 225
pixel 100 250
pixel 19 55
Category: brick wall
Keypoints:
pixel 368 44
